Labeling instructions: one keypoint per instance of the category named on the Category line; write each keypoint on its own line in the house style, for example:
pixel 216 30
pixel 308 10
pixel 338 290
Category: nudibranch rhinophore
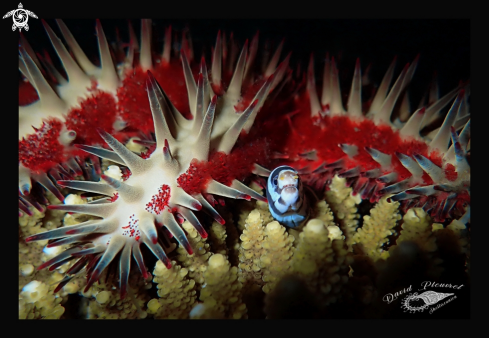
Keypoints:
pixel 287 201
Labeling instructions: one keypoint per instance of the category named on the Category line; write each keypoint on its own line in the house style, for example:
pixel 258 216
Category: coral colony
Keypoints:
pixel 153 167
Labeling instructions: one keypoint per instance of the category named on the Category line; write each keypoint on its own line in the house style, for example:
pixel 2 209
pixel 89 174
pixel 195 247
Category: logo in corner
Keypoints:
pixel 20 16
pixel 425 299
pixel 414 302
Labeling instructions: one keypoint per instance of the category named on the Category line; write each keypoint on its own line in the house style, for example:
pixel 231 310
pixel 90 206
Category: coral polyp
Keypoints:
pixel 166 149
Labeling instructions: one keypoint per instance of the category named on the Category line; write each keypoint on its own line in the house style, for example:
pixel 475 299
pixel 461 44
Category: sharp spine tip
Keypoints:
pixel 189 249
pixel 245 196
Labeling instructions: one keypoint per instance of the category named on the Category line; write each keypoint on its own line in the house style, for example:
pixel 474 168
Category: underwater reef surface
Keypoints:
pixel 164 138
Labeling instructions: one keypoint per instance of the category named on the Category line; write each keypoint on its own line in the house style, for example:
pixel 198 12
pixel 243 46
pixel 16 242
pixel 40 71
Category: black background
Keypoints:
pixel 443 44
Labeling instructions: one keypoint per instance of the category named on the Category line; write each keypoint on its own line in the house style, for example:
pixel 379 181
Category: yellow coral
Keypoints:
pixel 221 293
pixel 218 236
pixel 196 263
pixel 105 301
pixel 322 265
pixel 31 254
pixel 417 227
pixel 244 211
pixel 264 211
pixel 323 212
pixel 37 301
pixel 41 221
pixel 251 250
pixel 277 252
pixel 344 207
pixel 376 229
pixel 343 258
pixel 334 232
pixel 232 235
pixel 319 257
pixel 176 292
pixel 246 208
pixel 460 230
pixel 30 221
pixel 463 240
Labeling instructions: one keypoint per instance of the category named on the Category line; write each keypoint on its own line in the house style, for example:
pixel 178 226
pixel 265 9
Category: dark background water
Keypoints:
pixel 442 43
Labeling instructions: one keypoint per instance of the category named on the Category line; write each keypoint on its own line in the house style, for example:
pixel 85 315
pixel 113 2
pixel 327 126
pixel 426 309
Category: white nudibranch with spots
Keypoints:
pixel 287 201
